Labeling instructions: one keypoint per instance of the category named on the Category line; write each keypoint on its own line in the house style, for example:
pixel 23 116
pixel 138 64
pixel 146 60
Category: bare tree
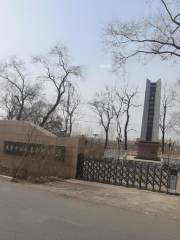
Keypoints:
pixel 102 105
pixel 128 104
pixel 8 103
pixel 55 124
pixel 69 106
pixel 173 121
pixel 118 113
pixel 19 92
pixel 36 111
pixel 167 100
pixel 156 36
pixel 57 70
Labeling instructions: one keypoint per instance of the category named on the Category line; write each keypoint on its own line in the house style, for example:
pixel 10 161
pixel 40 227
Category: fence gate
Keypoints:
pixel 138 174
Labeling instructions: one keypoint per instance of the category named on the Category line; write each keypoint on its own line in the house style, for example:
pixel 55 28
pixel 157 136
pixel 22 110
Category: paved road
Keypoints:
pixel 28 213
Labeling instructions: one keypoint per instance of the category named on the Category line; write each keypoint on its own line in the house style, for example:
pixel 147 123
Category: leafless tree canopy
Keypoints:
pixel 19 92
pixel 173 122
pixel 58 71
pixel 168 100
pixel 68 107
pixel 114 105
pixel 156 36
pixel 102 105
pixel 128 103
pixel 22 96
pixel 118 105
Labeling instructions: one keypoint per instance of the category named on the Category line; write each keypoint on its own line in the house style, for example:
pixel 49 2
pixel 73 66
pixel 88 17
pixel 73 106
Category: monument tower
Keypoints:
pixel 148 144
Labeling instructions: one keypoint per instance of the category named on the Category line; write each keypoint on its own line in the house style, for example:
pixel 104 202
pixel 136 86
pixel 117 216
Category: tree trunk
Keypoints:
pixel 163 129
pixel 70 124
pixel 125 130
pixel 106 138
pixel 46 117
pixel 19 116
pixel 66 125
pixel 118 129
pixel 163 142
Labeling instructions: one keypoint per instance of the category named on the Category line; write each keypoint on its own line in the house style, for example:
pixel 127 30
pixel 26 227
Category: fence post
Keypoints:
pixel 79 167
pixel 160 180
pixel 127 173
pixel 154 173
pixel 134 174
pixel 104 171
pixel 115 174
pixel 147 175
pixel 140 175
pixel 172 180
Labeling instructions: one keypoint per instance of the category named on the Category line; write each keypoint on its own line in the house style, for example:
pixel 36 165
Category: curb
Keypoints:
pixel 6 178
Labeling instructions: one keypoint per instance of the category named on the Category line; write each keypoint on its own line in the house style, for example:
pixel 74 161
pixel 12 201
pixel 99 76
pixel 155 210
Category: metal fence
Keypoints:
pixel 130 173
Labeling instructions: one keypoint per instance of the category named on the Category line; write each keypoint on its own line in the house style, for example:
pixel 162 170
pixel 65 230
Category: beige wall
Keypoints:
pixel 20 131
pixel 91 148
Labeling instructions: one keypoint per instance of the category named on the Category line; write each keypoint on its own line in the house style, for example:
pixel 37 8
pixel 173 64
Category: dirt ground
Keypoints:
pixel 147 202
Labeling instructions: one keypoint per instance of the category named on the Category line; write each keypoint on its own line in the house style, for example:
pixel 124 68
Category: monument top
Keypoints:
pixel 151 112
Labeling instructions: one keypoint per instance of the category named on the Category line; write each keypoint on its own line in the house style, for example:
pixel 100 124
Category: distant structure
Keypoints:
pixel 148 144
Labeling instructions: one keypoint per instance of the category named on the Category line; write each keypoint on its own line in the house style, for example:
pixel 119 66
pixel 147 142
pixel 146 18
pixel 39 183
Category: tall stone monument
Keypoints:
pixel 148 144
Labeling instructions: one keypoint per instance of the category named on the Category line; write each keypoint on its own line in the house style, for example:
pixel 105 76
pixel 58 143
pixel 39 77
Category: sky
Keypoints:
pixel 32 27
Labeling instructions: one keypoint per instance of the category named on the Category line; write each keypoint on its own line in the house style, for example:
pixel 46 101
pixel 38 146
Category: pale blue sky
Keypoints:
pixel 30 27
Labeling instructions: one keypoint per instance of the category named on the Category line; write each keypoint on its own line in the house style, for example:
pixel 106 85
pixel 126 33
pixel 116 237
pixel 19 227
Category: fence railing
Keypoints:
pixel 130 173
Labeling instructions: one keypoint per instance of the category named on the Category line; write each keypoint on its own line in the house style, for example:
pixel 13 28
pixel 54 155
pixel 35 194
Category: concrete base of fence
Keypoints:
pixel 6 178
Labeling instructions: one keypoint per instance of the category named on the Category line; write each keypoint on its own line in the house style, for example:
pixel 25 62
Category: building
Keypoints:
pixel 148 144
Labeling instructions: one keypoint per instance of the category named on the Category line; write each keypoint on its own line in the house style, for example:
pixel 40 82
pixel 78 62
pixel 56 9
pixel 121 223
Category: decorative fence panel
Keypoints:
pixel 130 173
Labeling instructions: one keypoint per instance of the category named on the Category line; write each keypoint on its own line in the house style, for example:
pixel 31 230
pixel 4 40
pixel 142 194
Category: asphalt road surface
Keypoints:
pixel 28 213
